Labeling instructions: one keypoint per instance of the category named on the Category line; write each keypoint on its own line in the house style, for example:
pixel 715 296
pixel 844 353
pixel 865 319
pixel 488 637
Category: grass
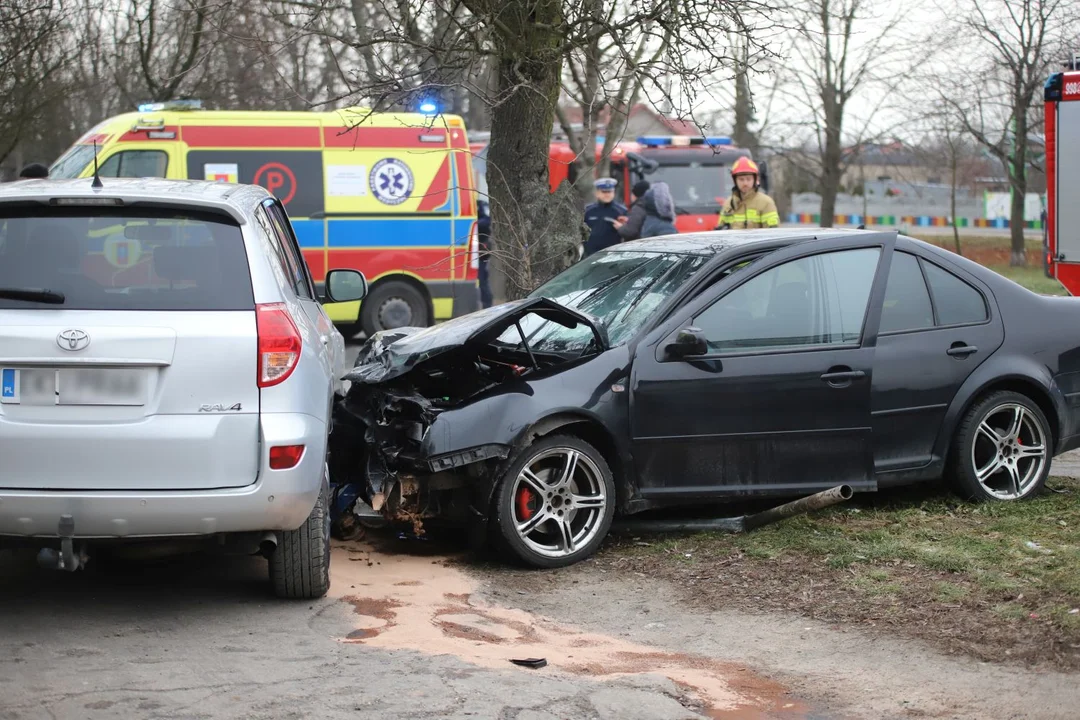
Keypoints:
pixel 1032 278
pixel 1013 569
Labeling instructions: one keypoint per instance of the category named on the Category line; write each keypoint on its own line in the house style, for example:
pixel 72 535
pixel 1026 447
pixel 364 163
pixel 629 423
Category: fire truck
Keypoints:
pixel 697 169
pixel 1062 97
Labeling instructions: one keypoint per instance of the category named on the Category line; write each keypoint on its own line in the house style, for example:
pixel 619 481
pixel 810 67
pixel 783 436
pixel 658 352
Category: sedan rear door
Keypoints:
pixel 779 400
pixel 137 371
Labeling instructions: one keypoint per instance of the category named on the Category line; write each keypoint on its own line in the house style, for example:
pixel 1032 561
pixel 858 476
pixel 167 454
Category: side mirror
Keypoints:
pixel 689 342
pixel 345 286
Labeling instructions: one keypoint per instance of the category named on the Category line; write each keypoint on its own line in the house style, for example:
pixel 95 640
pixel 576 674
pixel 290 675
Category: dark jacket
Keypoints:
pixel 602 234
pixel 483 231
pixel 631 230
pixel 659 212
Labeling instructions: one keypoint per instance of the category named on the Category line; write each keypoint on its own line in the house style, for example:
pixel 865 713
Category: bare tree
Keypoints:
pixel 841 50
pixel 1017 39
pixel 408 49
pixel 32 59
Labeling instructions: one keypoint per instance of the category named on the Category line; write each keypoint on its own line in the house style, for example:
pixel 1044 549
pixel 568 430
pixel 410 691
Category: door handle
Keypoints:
pixel 960 350
pixel 838 376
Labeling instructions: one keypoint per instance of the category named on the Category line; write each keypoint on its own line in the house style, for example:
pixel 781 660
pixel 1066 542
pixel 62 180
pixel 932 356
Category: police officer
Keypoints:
pixel 601 215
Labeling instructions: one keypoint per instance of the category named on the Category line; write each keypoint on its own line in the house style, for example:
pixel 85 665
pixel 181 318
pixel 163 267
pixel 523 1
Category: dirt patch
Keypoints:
pixel 410 602
pixel 1000 583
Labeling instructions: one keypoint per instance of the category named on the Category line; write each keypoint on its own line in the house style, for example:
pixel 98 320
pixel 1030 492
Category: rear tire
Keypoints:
pixel 392 305
pixel 1002 450
pixel 300 566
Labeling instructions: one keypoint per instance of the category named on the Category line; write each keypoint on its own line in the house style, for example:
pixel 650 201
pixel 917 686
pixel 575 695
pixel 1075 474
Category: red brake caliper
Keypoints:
pixel 525 498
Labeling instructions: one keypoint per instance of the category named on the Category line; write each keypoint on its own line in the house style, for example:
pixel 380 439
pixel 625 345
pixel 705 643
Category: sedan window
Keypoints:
pixel 816 300
pixel 957 303
pixel 907 301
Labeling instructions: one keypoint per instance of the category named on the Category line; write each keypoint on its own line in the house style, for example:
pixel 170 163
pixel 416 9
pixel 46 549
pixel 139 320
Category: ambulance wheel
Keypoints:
pixel 393 305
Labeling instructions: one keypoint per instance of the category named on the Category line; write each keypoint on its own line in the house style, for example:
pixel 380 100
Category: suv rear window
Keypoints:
pixel 154 258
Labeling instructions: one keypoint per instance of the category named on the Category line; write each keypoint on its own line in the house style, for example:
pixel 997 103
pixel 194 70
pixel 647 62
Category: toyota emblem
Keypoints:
pixel 73 340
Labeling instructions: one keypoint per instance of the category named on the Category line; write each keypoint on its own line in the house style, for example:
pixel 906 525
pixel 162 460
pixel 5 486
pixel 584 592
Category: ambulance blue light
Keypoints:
pixel 429 108
pixel 654 140
pixel 718 140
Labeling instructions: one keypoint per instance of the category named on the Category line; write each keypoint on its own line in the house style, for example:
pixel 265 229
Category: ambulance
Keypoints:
pixel 1062 111
pixel 390 194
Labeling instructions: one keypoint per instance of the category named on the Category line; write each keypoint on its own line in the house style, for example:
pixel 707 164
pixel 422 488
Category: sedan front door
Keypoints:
pixel 779 401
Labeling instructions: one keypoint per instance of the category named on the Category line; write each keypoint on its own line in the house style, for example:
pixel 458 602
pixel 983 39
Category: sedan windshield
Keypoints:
pixel 619 288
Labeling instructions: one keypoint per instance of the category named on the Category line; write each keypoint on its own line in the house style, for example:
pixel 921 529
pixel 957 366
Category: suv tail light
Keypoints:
pixel 279 343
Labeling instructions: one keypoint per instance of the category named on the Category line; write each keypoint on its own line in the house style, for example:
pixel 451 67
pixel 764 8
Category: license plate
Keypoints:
pixel 73 386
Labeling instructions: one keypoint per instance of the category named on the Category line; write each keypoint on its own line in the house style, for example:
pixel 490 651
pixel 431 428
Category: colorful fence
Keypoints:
pixel 908 221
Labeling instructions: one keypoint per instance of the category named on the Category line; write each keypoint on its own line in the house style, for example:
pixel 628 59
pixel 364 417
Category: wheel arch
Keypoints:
pixel 1041 391
pixel 590 429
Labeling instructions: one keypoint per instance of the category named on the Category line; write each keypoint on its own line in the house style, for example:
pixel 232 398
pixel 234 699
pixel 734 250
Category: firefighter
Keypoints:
pixel 747 207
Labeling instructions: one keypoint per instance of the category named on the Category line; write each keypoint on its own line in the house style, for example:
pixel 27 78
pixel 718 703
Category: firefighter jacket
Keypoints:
pixel 754 210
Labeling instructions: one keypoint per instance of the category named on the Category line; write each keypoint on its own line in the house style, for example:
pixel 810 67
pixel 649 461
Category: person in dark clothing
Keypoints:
pixel 483 231
pixel 34 170
pixel 629 228
pixel 601 217
pixel 652 214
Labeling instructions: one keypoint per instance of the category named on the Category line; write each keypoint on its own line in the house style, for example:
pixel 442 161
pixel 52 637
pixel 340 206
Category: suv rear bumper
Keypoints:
pixel 278 500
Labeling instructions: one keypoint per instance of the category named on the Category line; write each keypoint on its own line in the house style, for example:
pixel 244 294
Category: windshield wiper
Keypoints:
pixel 37 295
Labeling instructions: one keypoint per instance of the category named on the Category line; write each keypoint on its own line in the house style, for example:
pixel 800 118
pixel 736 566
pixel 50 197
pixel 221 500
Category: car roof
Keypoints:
pixel 233 198
pixel 715 242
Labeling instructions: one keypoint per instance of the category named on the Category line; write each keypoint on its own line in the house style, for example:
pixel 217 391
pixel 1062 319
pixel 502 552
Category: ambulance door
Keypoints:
pixel 138 160
pixel 389 214
pixel 286 160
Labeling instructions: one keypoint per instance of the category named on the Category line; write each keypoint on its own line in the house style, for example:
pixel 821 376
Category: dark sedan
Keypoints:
pixel 694 368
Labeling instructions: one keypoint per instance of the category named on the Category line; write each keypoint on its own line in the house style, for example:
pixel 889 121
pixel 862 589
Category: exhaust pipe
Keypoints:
pixel 268 544
pixel 745 523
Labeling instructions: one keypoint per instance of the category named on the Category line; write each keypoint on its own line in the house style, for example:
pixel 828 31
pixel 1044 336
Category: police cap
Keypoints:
pixel 605 183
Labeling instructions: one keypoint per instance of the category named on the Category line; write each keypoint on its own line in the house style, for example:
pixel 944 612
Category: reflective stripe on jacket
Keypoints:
pixel 754 210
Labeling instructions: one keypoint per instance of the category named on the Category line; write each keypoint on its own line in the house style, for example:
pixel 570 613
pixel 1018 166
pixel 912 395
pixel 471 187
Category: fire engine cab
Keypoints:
pixel 1062 96
pixel 697 169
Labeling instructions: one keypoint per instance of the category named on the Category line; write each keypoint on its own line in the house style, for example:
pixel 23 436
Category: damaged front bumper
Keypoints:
pixel 379 457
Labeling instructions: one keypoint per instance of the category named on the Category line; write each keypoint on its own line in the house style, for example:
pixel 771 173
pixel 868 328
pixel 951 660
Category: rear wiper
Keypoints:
pixel 32 295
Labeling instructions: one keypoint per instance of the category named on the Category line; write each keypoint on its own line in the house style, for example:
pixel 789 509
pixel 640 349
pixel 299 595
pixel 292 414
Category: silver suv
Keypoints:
pixel 166 369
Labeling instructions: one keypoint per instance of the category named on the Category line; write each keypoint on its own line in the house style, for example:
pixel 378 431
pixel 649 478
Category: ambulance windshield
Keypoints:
pixel 72 163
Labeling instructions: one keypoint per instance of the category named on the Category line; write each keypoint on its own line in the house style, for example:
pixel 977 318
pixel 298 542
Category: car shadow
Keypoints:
pixel 181 583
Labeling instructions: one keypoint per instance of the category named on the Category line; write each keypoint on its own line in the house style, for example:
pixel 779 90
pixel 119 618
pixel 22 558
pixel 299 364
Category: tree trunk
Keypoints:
pixel 1018 177
pixel 535 232
pixel 832 159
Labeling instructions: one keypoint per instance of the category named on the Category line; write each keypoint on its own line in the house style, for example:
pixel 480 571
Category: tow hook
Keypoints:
pixel 66 559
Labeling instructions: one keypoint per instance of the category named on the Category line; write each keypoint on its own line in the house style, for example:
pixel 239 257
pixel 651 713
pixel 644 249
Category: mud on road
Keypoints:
pixel 415 629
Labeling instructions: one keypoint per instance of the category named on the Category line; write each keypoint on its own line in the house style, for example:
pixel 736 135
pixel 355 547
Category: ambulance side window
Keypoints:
pixel 135 164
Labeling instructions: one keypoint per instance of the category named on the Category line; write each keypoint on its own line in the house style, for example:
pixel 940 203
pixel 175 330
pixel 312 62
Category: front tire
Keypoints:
pixel 1002 450
pixel 300 566
pixel 555 503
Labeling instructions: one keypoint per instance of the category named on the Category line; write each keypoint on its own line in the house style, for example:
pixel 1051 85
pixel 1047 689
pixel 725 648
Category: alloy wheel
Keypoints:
pixel 1010 451
pixel 559 502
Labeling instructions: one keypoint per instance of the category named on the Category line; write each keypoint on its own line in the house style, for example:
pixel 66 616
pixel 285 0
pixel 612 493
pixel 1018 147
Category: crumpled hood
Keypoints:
pixel 392 353
pixel 658 201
